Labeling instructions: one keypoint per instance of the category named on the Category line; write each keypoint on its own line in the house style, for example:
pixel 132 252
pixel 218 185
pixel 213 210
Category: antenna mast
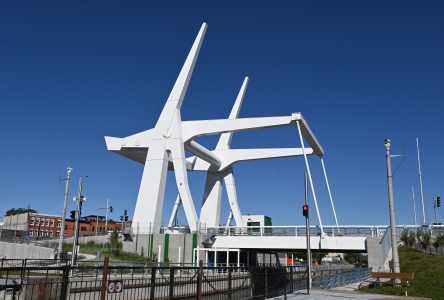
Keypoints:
pixel 420 183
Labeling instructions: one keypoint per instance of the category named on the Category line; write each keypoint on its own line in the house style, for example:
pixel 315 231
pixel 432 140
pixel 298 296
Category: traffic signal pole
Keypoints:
pixel 436 204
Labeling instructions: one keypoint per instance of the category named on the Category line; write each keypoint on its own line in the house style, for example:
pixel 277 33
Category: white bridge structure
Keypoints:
pixel 162 148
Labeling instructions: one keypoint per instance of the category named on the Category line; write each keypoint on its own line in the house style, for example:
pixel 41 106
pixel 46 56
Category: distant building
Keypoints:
pixel 45 225
pixel 256 220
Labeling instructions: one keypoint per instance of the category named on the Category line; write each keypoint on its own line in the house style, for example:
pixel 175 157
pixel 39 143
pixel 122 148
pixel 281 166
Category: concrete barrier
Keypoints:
pixel 22 251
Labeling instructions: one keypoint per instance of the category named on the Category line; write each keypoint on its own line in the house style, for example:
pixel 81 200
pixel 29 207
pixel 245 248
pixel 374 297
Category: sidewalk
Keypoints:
pixel 336 295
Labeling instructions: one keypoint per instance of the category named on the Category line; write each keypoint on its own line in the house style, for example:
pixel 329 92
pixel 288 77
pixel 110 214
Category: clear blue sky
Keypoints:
pixel 73 72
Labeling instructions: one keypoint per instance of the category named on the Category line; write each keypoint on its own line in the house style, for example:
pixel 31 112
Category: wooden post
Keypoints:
pixel 65 283
pixel 104 278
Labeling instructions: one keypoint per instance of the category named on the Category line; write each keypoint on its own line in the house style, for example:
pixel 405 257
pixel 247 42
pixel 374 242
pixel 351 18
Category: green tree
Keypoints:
pixel 408 238
pixel 405 237
pixel 18 211
pixel 412 238
pixel 438 241
pixel 424 238
pixel 356 259
pixel 115 244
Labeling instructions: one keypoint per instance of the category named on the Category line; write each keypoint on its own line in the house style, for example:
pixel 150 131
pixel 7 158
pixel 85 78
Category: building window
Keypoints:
pixel 57 233
pixel 47 223
pixel 82 228
pixel 52 223
pixel 32 221
pixel 59 224
pixel 41 233
pixel 37 222
pixel 51 233
pixel 46 232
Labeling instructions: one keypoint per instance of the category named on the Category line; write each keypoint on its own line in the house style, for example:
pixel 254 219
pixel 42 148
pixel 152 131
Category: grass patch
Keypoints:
pixel 105 250
pixel 429 275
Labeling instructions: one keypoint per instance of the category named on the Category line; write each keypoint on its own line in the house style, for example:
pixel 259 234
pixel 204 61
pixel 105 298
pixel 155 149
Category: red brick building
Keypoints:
pixel 43 225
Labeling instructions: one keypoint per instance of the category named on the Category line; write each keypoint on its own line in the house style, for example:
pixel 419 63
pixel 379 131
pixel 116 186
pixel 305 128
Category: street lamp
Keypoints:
pixel 394 239
pixel 65 204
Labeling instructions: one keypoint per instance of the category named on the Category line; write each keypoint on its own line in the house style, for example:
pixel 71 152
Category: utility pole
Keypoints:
pixel 65 205
pixel 395 257
pixel 307 234
pixel 80 200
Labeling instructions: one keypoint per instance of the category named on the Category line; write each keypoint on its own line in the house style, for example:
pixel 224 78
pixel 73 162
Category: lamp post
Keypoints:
pixel 65 204
pixel 395 256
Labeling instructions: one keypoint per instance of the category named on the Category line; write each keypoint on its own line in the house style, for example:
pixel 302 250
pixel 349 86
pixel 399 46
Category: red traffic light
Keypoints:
pixel 305 210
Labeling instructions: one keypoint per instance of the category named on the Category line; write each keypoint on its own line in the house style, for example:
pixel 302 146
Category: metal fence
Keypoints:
pixel 158 282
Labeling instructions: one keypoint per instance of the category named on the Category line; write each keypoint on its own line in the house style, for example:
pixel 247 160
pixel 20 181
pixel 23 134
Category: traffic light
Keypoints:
pixel 73 215
pixel 125 212
pixel 121 218
pixel 305 210
pixel 438 201
pixel 110 209
pixel 126 218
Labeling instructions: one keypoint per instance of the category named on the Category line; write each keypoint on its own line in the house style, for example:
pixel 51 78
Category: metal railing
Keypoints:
pixel 352 230
pixel 161 282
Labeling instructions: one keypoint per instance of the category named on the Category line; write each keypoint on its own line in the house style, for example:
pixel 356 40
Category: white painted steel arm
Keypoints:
pixel 311 180
pixel 179 90
pixel 329 193
pixel 232 156
pixel 192 129
pixel 225 138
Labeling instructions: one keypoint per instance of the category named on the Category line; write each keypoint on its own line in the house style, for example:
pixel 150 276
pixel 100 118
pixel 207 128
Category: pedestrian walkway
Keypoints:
pixel 336 295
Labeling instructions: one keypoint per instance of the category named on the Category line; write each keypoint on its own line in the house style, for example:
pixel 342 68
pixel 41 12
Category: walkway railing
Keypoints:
pixel 157 282
pixel 353 230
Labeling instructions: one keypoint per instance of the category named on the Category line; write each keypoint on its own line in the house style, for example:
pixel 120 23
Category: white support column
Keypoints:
pixel 180 171
pixel 329 194
pixel 152 189
pixel 228 257
pixel 238 257
pixel 210 211
pixel 311 180
pixel 174 213
pixel 230 186
pixel 230 217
